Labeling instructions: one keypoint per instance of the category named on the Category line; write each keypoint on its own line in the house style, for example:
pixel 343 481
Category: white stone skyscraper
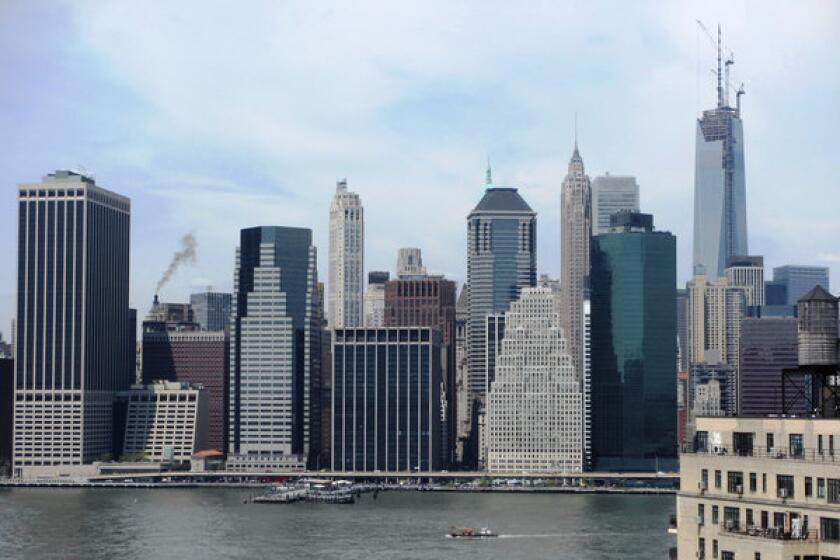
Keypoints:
pixel 535 405
pixel 575 235
pixel 345 290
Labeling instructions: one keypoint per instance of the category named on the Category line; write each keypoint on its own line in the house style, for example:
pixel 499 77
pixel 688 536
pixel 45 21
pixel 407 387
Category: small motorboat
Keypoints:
pixel 470 533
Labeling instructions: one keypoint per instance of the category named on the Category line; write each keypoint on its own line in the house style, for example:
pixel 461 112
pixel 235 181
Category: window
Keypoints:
pixel 743 443
pixel 704 477
pixel 809 486
pixel 714 548
pixel 796 447
pixel 735 482
pixel 701 514
pixel 833 491
pixel 701 441
pixel 831 445
pixel 717 479
pixel 757 556
pixel 701 548
pixel 714 515
pixel 784 486
pixel 727 555
pixel 732 518
pixel 820 488
pixel 764 519
pixel 770 442
pixel 819 444
pixel 750 522
pixel 764 482
pixel 830 529
pixel 778 520
pixel 753 482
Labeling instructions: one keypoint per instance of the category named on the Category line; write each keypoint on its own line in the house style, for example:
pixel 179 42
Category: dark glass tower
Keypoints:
pixel 386 399
pixel 73 319
pixel 274 418
pixel 634 348
pixel 501 260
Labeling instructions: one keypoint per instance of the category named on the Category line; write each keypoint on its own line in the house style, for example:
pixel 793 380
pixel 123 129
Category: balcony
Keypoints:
pixel 771 533
pixel 804 455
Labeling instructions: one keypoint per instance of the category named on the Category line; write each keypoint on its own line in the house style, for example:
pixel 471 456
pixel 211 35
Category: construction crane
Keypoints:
pixel 722 91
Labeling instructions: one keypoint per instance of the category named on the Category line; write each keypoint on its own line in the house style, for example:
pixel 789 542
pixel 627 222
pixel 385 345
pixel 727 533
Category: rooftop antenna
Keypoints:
pixel 729 62
pixel 488 175
pixel 576 133
pixel 738 95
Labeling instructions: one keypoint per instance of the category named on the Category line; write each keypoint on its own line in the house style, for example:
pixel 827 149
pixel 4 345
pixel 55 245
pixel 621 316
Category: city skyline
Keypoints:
pixel 163 163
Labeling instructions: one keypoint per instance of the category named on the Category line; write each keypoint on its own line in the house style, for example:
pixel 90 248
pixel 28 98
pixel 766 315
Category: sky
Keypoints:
pixel 213 116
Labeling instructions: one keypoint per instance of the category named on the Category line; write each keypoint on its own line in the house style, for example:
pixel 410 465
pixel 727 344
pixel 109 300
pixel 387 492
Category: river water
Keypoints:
pixel 212 523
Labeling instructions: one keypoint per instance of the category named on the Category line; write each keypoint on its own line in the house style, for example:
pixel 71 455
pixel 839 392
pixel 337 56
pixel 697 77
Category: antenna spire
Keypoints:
pixel 488 175
pixel 576 133
pixel 719 86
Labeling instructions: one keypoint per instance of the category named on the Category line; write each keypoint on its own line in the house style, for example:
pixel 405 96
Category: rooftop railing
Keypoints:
pixel 809 455
pixel 774 533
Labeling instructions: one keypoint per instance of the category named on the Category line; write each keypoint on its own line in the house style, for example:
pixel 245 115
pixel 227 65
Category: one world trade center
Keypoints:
pixel 720 206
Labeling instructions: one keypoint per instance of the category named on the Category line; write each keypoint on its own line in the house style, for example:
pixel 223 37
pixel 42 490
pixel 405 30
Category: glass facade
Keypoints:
pixel 386 399
pixel 634 334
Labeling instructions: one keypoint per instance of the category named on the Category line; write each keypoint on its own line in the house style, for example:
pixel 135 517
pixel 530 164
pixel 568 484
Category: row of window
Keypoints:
pixel 785 487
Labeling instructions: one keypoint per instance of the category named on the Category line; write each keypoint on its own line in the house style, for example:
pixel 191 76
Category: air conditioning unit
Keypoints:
pixel 739 489
pixel 700 520
pixel 783 493
pixel 729 524
pixel 702 486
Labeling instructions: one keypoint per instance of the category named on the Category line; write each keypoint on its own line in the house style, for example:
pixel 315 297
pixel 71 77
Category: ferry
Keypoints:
pixel 470 533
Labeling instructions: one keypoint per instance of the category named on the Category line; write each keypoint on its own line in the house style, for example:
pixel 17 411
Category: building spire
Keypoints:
pixel 576 145
pixel 488 175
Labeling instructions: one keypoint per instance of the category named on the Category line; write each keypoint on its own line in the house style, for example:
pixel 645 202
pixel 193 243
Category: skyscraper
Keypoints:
pixel 535 404
pixel 768 346
pixel 347 259
pixel 501 260
pixel 611 194
pixel 211 310
pixel 798 280
pixel 748 272
pixel 410 262
pixel 386 399
pixel 72 309
pixel 715 311
pixel 720 203
pixel 634 346
pixel 575 235
pixel 274 351
pixel 375 299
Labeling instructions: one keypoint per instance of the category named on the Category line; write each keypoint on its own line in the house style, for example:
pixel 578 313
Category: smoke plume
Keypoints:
pixel 186 254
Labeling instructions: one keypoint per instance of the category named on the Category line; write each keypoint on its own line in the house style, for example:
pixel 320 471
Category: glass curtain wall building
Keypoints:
pixel 386 399
pixel 274 419
pixel 211 310
pixel 634 347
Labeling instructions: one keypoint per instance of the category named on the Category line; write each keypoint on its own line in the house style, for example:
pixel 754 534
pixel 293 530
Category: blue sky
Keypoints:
pixel 213 116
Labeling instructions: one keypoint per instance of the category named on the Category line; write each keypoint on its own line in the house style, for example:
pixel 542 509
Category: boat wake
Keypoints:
pixel 563 535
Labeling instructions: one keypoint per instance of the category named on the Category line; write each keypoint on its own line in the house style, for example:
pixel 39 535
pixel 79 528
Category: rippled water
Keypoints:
pixel 214 523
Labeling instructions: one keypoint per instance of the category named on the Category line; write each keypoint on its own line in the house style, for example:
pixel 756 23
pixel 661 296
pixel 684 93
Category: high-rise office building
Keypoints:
pixel 612 194
pixel 386 399
pixel 172 352
pixel 748 272
pixel 768 346
pixel 535 404
pixel 575 237
pixel 375 299
pixel 501 260
pixel 463 420
pixel 347 259
pixel 715 311
pixel 211 310
pixel 72 310
pixel 634 346
pixel 798 280
pixel 410 263
pixel 274 417
pixel 429 301
pixel 720 202
pixel 7 414
pixel 682 330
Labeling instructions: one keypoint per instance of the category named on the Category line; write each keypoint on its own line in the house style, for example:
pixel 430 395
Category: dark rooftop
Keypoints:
pixel 502 199
pixel 818 293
